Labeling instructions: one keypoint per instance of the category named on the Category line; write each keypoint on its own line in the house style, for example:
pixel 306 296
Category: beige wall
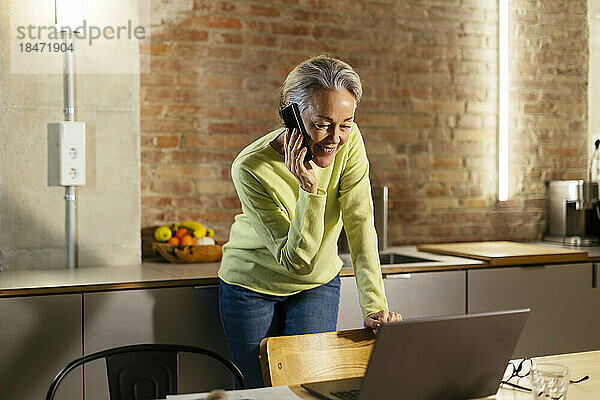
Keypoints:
pixel 108 206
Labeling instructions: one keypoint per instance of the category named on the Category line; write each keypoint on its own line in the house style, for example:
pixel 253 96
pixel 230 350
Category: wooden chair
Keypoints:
pixel 289 360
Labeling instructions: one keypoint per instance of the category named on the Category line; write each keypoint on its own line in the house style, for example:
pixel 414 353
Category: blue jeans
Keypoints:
pixel 248 317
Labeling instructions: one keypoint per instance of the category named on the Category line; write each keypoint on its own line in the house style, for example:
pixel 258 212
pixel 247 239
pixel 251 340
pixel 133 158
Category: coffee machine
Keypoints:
pixel 573 213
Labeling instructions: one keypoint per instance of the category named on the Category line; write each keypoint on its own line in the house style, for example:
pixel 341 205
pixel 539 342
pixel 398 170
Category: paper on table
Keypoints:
pixel 268 393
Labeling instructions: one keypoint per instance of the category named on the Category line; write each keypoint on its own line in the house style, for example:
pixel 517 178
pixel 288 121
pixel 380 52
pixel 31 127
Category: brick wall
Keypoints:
pixel 428 114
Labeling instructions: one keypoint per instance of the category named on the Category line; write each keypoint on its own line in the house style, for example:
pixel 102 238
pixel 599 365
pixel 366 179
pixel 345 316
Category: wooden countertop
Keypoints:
pixel 162 274
pixel 508 253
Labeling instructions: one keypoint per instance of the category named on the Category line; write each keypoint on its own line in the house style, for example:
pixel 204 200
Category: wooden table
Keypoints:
pixel 581 364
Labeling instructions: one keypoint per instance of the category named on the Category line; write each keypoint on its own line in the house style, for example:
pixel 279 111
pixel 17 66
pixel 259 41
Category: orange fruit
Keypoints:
pixel 173 240
pixel 188 240
pixel 181 232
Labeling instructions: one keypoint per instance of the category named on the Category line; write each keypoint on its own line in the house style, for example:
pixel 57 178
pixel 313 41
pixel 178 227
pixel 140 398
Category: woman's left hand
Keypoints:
pixel 375 320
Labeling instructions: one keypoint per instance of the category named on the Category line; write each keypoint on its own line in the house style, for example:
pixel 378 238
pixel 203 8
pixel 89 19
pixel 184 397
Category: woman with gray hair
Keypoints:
pixel 280 269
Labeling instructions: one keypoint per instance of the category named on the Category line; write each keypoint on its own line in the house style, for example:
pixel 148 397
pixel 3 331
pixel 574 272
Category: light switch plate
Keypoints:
pixel 66 153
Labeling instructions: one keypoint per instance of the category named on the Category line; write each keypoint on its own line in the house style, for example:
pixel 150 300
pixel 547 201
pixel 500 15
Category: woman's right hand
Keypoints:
pixel 294 161
pixel 375 320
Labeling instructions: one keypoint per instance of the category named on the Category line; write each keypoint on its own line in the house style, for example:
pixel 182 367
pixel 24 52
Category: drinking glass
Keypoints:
pixel 549 381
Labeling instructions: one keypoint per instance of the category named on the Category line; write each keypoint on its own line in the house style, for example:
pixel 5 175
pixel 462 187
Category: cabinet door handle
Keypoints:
pixel 206 287
pixel 533 267
pixel 594 275
pixel 398 276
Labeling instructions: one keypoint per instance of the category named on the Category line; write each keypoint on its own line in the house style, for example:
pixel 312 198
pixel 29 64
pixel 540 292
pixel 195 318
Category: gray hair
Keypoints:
pixel 318 73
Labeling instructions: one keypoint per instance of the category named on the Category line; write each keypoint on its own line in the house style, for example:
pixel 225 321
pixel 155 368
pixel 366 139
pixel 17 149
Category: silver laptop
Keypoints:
pixel 454 357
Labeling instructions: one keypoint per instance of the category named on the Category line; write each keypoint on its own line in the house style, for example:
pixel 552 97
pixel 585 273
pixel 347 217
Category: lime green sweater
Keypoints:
pixel 285 241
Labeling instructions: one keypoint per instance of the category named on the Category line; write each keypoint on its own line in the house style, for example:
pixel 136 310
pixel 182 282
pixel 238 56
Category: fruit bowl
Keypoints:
pixel 177 253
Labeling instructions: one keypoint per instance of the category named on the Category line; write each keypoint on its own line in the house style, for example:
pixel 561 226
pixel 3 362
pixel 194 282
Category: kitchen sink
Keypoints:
pixel 395 258
pixel 389 259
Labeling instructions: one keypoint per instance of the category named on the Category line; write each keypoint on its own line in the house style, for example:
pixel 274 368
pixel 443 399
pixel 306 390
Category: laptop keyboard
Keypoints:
pixel 347 394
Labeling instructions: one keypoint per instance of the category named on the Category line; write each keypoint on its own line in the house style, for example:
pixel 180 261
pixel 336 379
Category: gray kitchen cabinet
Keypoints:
pixel 349 315
pixel 565 306
pixel 423 294
pixel 183 315
pixel 40 336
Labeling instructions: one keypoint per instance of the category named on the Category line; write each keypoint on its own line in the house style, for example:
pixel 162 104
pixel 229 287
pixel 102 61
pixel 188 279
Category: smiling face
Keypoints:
pixel 328 121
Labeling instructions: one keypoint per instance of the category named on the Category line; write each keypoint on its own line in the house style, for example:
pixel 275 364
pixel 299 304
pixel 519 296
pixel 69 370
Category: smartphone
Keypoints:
pixel 292 119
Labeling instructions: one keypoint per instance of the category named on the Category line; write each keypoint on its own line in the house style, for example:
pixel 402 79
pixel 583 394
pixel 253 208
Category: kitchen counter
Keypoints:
pixel 438 262
pixel 91 279
pixel 593 251
pixel 162 274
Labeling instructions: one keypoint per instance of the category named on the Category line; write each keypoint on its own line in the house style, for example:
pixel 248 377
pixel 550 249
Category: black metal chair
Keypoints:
pixel 143 371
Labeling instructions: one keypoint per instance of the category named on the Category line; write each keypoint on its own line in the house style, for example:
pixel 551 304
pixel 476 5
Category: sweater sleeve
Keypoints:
pixel 357 215
pixel 293 240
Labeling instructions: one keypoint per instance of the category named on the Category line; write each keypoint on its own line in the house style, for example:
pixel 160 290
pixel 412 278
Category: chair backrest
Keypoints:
pixel 289 360
pixel 143 371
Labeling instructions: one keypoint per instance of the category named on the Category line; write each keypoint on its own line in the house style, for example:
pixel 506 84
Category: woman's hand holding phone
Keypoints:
pixel 294 156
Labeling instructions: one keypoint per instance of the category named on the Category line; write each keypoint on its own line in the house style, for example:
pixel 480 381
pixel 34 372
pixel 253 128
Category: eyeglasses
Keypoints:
pixel 523 369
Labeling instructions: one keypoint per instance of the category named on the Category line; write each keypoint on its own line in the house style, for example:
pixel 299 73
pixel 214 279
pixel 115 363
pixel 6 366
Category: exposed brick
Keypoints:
pixel 470 121
pixel 178 35
pixel 336 32
pixel 152 156
pixel 174 171
pixel 460 217
pixel 446 176
pixel 428 113
pixel 438 106
pixel 223 82
pixel 199 111
pixel 164 125
pixel 195 202
pixel 212 21
pixel 441 203
pixel 194 156
pixel 157 79
pixel 478 107
pixel 169 95
pixel 447 162
pixel 170 65
pixel 229 142
pixel 157 201
pixel 149 110
pixel 201 53
pixel 146 141
pixel 259 10
pixel 474 202
pixel 215 187
pixel 167 141
pixel 261 114
pixel 227 128
pixel 203 5
pixel 437 189
pixel 231 202
pixel 474 135
pixel 161 49
pixel 245 38
pixel 171 186
pixel 214 216
pixel 227 7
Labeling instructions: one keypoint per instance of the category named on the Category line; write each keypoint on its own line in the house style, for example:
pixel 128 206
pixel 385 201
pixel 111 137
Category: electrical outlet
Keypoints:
pixel 66 153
